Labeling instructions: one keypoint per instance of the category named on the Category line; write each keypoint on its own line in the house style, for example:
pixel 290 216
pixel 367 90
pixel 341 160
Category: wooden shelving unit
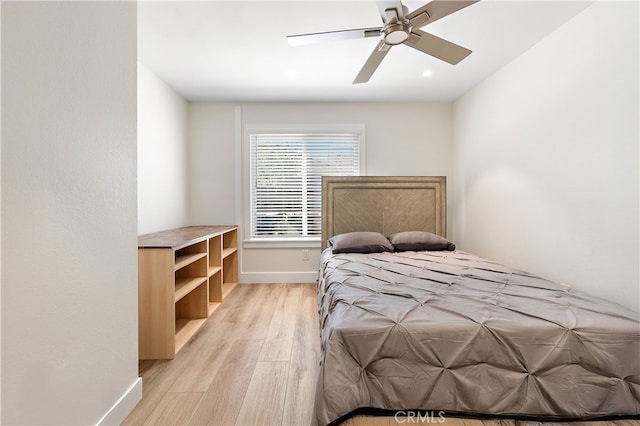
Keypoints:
pixel 184 274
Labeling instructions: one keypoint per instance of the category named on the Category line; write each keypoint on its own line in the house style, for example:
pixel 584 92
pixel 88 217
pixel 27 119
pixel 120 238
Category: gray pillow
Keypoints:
pixel 418 241
pixel 359 242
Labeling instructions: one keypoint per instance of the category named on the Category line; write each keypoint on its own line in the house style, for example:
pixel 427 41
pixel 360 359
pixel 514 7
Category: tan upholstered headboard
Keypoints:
pixel 384 204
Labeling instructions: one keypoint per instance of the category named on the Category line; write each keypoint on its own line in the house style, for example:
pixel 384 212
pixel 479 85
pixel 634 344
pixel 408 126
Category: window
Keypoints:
pixel 285 179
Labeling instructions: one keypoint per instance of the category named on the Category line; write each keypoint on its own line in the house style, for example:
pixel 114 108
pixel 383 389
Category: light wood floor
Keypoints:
pixel 255 362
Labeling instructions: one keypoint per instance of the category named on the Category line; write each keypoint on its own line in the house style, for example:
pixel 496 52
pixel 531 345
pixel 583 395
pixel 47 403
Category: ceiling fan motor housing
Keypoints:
pixel 396 32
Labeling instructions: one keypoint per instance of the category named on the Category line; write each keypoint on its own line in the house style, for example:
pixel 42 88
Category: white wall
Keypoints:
pixel 401 139
pixel 546 157
pixel 69 269
pixel 0 219
pixel 212 156
pixel 163 192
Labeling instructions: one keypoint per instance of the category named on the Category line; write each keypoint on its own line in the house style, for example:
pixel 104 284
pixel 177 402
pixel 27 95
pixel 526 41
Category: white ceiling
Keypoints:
pixel 237 51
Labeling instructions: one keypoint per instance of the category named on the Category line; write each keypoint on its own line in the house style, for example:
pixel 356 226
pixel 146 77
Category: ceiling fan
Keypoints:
pixel 400 27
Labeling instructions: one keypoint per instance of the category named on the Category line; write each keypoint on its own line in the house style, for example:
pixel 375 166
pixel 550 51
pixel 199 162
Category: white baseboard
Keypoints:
pixel 278 277
pixel 124 405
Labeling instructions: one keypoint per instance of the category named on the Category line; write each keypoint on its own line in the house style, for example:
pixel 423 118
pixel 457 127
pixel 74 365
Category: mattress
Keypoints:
pixel 451 331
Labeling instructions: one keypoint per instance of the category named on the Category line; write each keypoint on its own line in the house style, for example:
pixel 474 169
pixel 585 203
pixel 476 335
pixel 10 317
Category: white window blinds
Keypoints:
pixel 286 170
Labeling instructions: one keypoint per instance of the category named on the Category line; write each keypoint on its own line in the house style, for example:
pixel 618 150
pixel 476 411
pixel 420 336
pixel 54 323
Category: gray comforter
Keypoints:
pixel 452 331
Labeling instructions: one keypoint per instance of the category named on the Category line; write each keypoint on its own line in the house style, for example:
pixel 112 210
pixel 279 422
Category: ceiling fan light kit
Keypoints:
pixel 399 27
pixel 396 33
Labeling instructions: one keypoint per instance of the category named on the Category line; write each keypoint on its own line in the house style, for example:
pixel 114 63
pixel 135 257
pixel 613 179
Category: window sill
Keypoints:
pixel 283 243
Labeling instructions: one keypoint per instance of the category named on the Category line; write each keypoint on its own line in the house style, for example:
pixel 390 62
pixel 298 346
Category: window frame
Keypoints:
pixel 248 130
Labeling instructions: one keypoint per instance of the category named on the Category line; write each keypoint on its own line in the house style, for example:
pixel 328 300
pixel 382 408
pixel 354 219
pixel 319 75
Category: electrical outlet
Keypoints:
pixel 305 254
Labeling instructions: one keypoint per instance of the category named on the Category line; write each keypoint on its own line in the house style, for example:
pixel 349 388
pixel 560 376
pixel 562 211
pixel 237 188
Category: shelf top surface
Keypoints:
pixel 180 237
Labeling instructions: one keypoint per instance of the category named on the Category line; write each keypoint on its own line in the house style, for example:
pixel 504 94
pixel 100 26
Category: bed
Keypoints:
pixel 445 331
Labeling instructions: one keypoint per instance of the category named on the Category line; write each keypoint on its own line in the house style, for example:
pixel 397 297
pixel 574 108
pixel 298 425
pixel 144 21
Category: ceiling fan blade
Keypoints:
pixel 372 63
pixel 437 47
pixel 301 39
pixel 435 10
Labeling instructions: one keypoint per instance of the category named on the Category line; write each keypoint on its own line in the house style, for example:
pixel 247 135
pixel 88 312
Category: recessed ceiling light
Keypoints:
pixel 427 73
pixel 291 72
